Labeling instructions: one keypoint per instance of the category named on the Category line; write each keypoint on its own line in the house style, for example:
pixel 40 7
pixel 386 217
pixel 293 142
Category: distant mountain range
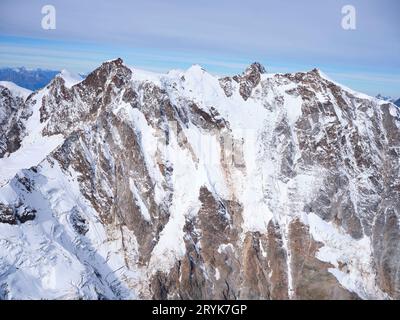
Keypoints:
pixel 388 98
pixel 34 79
pixel 131 184
pixel 31 79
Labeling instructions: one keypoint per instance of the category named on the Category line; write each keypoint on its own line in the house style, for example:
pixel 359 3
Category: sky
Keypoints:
pixel 222 36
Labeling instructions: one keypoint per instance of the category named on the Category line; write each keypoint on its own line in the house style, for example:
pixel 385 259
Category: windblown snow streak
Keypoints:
pixel 130 184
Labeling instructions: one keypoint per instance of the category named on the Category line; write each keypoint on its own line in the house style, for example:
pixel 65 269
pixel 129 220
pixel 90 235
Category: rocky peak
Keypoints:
pixel 56 83
pixel 113 70
pixel 315 71
pixel 12 108
pixel 254 68
pixel 248 80
pixel 70 101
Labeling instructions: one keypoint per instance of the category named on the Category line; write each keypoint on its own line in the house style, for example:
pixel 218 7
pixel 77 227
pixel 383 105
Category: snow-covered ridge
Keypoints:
pixel 16 90
pixel 353 92
pixel 70 78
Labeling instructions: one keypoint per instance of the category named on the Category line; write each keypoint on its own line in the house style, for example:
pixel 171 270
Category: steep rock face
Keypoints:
pixel 12 111
pixel 247 81
pixel 260 186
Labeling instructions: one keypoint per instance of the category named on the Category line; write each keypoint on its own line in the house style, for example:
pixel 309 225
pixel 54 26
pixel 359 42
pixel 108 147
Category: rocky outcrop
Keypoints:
pixel 18 213
pixel 12 112
pixel 247 81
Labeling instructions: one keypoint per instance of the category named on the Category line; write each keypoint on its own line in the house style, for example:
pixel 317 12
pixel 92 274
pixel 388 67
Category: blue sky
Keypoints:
pixel 222 36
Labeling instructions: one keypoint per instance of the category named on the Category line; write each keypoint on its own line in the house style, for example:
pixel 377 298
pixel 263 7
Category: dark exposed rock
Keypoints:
pixel 14 214
pixel 78 222
pixel 247 81
pixel 12 111
pixel 387 252
pixel 226 85
pixel 25 214
pixel 26 182
pixel 189 279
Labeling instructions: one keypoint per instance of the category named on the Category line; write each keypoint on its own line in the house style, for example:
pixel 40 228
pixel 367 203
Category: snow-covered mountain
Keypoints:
pixel 16 90
pixel 12 112
pixel 131 184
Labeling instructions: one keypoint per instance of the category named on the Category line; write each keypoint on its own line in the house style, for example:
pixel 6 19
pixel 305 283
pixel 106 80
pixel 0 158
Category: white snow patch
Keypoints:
pixel 293 108
pixel 217 275
pixel 263 252
pixel 185 203
pixel 358 275
pixel 70 78
pixel 143 209
pixel 143 75
pixel 223 247
pixel 394 112
pixel 27 156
